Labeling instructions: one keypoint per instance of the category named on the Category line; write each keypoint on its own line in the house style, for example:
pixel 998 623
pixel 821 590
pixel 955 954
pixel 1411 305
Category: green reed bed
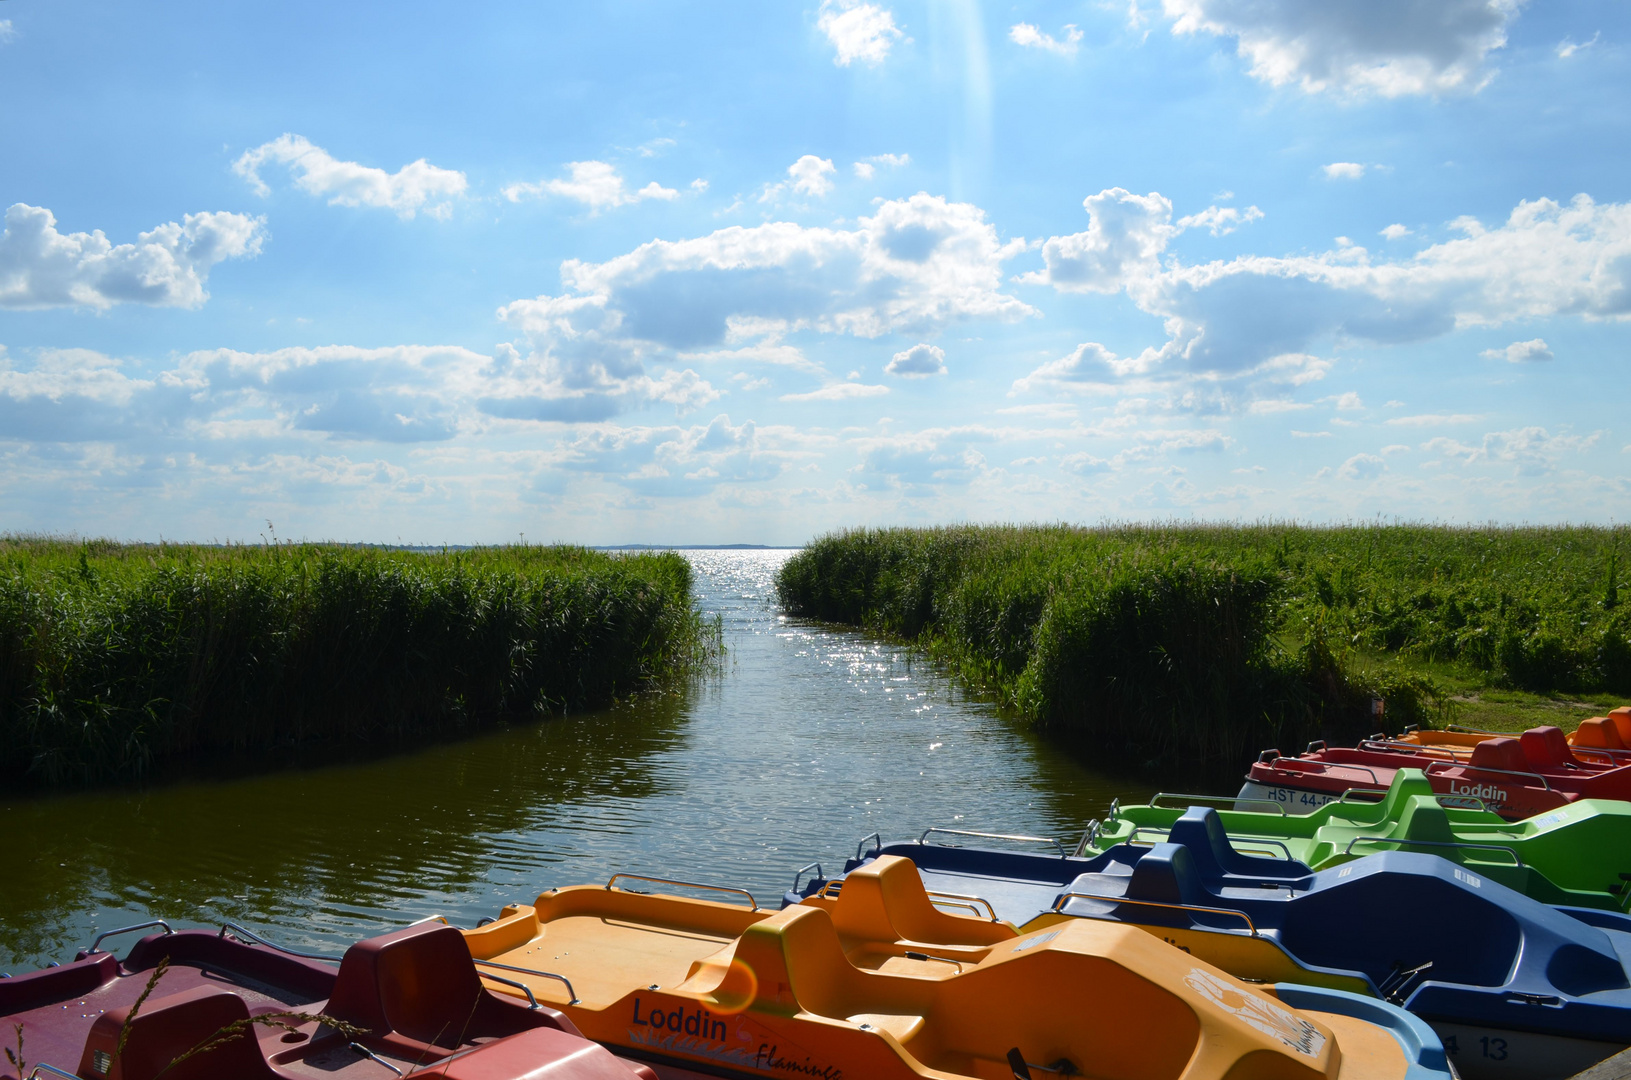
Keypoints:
pixel 118 659
pixel 1206 643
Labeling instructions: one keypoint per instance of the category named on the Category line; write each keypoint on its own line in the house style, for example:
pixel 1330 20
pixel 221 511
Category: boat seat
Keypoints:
pixel 1503 754
pixel 1599 732
pixel 1200 829
pixel 885 901
pixel 1547 749
pixel 419 983
pixel 1168 875
pixel 903 1026
pixel 166 1028
pixel 1622 723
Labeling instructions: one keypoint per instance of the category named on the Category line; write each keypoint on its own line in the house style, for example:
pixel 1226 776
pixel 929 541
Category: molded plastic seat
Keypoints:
pixel 1622 723
pixel 1547 749
pixel 885 901
pixel 1599 732
pixel 1503 754
pixel 1200 830
pixel 166 1028
pixel 419 983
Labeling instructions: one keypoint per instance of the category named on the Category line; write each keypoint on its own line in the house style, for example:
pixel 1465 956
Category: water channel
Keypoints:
pixel 808 739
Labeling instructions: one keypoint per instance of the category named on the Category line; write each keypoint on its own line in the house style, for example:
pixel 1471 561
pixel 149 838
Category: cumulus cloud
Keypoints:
pixel 1034 38
pixel 595 184
pixel 918 362
pixel 1089 366
pixel 1343 170
pixel 1520 352
pixel 347 183
pixel 811 175
pixel 167 266
pixel 1395 231
pixel 916 265
pixel 1362 467
pixel 843 391
pixel 1532 451
pixel 674 461
pixel 858 31
pixel 1545 260
pixel 1357 48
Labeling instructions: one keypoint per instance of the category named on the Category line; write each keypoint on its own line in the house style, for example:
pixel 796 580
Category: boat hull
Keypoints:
pixel 1483 1053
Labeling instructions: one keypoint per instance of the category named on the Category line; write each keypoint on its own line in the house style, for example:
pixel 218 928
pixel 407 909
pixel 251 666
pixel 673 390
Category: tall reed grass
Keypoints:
pixel 1165 643
pixel 117 659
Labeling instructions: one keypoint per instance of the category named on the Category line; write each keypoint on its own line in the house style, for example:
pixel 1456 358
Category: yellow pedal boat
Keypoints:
pixel 884 985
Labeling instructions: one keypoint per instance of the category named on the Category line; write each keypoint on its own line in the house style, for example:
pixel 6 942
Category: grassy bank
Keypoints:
pixel 1164 643
pixel 117 660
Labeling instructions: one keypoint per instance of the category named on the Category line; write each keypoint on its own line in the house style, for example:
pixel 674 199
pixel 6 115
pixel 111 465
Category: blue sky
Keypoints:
pixel 750 272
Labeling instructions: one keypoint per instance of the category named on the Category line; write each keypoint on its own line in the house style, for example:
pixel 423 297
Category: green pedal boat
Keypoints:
pixel 1577 855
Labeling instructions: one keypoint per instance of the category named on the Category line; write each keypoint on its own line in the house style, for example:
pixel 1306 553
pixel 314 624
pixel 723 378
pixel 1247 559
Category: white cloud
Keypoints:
pixel 1395 448
pixel 1395 231
pixel 1362 467
pixel 1220 221
pixel 1125 236
pixel 1354 48
pixel 1311 434
pixel 1270 406
pixel 867 169
pixel 596 184
pixel 1546 260
pixel 1348 401
pixel 407 191
pixel 1431 420
pixel 811 175
pixel 918 362
pixel 858 31
pixel 1520 352
pixel 1343 170
pixel 843 391
pixel 697 185
pixel 1089 366
pixel 6 31
pixel 1567 48
pixel 167 266
pixel 1531 450
pixel 1034 38
pixel 916 265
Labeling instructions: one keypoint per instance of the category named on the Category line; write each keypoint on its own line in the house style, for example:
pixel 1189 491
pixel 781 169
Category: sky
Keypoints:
pixel 752 272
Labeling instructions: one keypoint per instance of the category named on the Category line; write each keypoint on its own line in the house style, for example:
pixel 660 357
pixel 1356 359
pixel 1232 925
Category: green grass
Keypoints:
pixel 1161 643
pixel 117 660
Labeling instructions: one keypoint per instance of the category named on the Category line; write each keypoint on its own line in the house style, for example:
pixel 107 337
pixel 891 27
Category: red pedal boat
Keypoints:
pixel 407 1002
pixel 1516 778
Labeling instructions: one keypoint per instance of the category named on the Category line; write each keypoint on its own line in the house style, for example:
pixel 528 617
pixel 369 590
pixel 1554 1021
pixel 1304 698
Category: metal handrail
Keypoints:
pixel 1486 768
pixel 923 957
pixel 686 884
pixel 571 993
pixel 1094 828
pixel 1516 858
pixel 375 1058
pixel 1236 799
pixel 1064 898
pixel 51 1070
pixel 964 901
pixel 532 1002
pixel 996 836
pixel 1233 842
pixel 1274 766
pixel 1115 808
pixel 878 846
pixel 241 932
pixel 1369 796
pixel 125 930
pixel 800 873
pixel 1420 749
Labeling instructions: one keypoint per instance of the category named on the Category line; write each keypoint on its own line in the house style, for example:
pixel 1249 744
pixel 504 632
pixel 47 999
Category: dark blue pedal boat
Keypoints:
pixel 1516 988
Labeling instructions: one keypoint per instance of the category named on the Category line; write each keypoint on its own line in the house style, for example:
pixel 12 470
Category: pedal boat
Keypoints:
pixel 847 993
pixel 1578 855
pixel 1600 739
pixel 1516 778
pixel 412 998
pixel 1516 989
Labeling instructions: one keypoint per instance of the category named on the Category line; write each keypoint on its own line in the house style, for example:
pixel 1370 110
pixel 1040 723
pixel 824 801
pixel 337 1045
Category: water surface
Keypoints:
pixel 808 739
